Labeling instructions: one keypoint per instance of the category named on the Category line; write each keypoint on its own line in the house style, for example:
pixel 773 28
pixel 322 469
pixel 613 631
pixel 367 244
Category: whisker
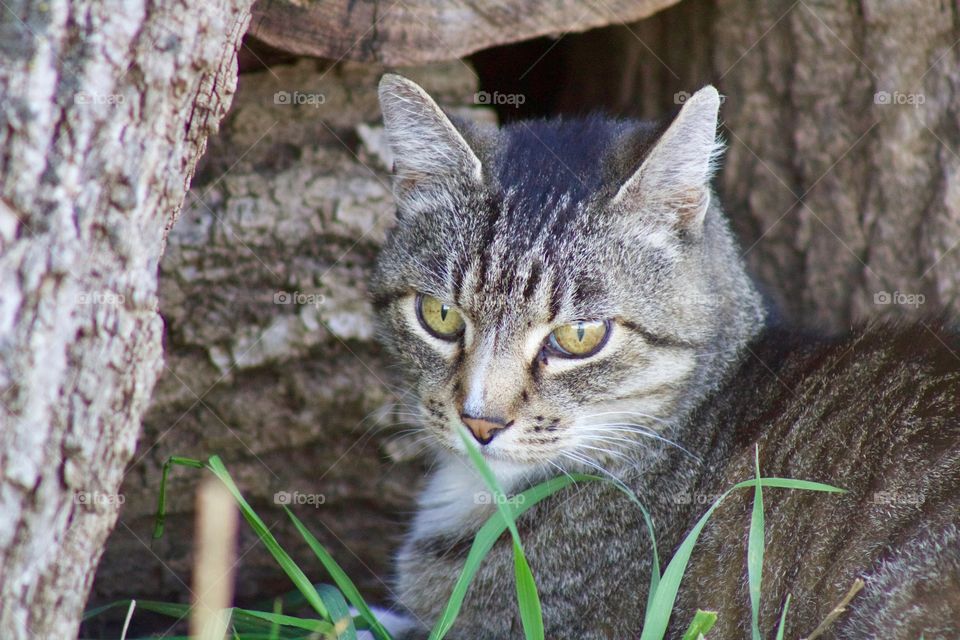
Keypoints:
pixel 639 430
pixel 626 413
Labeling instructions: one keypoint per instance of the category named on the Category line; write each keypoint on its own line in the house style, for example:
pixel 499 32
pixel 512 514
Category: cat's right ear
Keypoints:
pixel 672 184
pixel 427 148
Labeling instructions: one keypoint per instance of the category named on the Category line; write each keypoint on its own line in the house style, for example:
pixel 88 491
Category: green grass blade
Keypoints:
pixel 277 620
pixel 531 614
pixel 249 621
pixel 527 598
pixel 657 617
pixel 491 531
pixel 161 514
pixel 275 626
pixel 340 577
pixel 755 544
pixel 783 619
pixel 260 528
pixel 655 568
pixel 499 496
pixel 486 537
pixel 702 622
pixel 339 612
pixel 172 609
pixel 789 483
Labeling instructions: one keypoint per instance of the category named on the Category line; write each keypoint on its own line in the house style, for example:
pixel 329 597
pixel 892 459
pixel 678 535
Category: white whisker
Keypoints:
pixel 635 429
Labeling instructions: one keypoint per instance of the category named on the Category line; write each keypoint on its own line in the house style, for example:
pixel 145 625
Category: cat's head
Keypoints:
pixel 559 287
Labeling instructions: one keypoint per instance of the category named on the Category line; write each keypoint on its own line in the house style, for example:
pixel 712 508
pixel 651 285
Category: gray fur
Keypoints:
pixel 535 225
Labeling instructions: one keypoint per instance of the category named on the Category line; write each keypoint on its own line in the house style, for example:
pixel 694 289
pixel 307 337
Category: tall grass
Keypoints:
pixel 332 617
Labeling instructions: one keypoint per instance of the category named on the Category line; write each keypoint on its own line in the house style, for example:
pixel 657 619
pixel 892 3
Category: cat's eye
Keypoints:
pixel 438 318
pixel 579 339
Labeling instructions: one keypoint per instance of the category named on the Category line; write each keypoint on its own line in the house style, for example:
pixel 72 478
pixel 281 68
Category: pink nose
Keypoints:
pixel 483 429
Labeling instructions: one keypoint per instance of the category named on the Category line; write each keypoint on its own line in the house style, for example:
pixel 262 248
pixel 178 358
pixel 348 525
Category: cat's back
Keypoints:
pixel 877 413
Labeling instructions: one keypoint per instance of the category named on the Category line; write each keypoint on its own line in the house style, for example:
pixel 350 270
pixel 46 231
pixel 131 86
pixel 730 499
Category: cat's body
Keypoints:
pixel 608 228
pixel 849 411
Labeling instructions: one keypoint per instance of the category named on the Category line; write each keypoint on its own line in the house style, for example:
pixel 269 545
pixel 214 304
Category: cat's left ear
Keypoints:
pixel 673 183
pixel 427 148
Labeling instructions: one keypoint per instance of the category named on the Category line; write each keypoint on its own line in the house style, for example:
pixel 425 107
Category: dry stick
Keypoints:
pixel 214 560
pixel 837 610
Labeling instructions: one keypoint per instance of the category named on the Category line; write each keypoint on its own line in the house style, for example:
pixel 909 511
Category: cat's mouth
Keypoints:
pixel 495 453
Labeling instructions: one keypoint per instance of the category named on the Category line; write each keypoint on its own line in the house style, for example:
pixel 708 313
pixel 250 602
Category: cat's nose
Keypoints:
pixel 483 429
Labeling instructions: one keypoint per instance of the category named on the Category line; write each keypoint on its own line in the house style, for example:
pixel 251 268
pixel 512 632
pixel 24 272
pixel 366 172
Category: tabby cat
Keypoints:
pixel 570 292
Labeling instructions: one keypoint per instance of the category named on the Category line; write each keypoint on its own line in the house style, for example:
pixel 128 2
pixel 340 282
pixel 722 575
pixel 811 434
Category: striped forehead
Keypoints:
pixel 529 264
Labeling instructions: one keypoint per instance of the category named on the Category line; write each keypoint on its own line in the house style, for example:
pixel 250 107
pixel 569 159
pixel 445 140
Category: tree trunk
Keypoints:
pixel 104 111
pixel 412 32
pixel 843 173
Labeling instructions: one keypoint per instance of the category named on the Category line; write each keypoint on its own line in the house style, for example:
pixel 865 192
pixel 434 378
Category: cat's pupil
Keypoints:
pixel 580 331
pixel 444 309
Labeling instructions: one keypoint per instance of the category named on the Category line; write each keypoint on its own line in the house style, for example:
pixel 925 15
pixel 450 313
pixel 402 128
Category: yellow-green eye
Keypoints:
pixel 580 339
pixel 438 318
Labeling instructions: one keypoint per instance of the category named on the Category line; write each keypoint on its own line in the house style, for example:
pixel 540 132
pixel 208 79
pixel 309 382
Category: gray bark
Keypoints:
pixel 104 111
pixel 410 32
pixel 843 166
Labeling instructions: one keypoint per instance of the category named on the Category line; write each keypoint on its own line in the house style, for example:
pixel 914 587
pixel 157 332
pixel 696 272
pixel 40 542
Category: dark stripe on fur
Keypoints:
pixel 658 340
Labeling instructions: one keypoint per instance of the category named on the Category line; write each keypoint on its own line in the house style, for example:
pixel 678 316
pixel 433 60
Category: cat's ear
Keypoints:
pixel 673 182
pixel 426 147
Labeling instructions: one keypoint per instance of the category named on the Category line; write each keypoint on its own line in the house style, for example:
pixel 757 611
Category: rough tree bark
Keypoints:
pixel 844 133
pixel 408 32
pixel 104 111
